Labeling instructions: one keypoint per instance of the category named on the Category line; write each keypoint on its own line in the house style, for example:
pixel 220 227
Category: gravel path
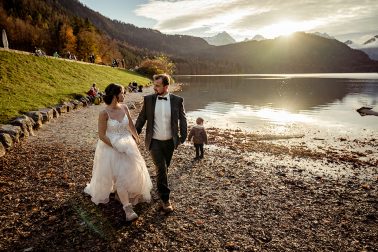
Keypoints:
pixel 255 198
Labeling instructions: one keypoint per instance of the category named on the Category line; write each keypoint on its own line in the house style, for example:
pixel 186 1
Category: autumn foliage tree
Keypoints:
pixel 45 25
pixel 68 39
pixel 157 65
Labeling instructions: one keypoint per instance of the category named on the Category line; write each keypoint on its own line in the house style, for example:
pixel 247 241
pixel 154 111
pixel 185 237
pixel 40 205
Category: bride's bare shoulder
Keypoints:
pixel 103 114
pixel 125 108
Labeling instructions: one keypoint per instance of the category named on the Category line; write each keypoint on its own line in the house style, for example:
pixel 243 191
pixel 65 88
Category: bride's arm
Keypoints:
pixel 131 125
pixel 102 124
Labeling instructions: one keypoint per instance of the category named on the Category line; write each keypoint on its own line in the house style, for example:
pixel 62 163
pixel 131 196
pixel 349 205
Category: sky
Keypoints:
pixel 342 19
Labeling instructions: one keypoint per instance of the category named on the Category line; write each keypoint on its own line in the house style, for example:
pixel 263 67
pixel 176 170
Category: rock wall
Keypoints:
pixel 23 126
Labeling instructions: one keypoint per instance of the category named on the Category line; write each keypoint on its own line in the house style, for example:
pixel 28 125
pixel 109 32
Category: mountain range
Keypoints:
pixel 52 20
pixel 222 38
pixel 370 46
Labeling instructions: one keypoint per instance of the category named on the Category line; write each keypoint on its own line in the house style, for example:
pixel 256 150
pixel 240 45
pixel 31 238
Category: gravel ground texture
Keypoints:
pixel 250 193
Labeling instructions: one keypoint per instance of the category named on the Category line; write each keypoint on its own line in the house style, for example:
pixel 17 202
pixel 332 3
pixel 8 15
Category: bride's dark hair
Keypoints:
pixel 110 91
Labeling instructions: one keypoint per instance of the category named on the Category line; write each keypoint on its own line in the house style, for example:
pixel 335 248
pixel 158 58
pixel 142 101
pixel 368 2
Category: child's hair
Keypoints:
pixel 199 120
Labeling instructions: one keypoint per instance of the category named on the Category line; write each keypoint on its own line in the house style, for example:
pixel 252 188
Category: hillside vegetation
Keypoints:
pixel 69 26
pixel 28 82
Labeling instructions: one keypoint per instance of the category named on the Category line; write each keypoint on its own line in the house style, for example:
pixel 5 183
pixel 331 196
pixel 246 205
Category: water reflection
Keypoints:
pixel 247 102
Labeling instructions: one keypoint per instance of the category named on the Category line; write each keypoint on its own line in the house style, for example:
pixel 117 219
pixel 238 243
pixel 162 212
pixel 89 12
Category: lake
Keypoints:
pixel 283 103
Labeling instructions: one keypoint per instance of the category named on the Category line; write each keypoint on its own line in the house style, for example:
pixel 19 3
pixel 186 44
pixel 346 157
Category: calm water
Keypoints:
pixel 283 102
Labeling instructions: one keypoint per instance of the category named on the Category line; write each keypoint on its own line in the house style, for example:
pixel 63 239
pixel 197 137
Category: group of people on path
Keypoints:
pixel 118 165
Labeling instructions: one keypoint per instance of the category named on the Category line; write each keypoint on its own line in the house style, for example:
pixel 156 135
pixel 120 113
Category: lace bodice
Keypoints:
pixel 115 127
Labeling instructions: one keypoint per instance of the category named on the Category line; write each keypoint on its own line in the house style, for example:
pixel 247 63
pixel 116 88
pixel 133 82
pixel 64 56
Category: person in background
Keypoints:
pixel 93 91
pixel 198 133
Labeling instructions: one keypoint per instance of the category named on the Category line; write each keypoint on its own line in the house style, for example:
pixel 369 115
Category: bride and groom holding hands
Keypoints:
pixel 118 165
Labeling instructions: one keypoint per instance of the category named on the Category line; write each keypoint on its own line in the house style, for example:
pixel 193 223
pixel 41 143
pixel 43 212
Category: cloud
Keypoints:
pixel 249 17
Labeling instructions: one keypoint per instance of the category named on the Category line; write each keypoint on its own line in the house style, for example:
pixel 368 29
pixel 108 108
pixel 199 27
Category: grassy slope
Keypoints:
pixel 28 82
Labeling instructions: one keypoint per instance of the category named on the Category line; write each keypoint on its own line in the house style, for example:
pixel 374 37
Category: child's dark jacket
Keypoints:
pixel 198 134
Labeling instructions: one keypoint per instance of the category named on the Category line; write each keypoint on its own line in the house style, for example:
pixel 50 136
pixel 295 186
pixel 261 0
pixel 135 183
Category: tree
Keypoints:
pixel 157 65
pixel 68 39
pixel 87 44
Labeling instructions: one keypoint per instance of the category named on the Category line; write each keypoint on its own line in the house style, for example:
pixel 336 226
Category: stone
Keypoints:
pixel 90 98
pixel 13 131
pixel 61 108
pixel 55 112
pixel 2 150
pixel 84 101
pixel 77 104
pixel 70 106
pixel 47 115
pixel 6 141
pixel 131 105
pixel 37 117
pixel 26 124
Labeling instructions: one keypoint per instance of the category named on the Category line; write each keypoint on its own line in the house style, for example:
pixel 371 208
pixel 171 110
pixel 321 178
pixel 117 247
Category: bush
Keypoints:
pixel 157 65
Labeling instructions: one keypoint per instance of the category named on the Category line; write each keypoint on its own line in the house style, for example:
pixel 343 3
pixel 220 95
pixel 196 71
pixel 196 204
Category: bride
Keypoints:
pixel 118 165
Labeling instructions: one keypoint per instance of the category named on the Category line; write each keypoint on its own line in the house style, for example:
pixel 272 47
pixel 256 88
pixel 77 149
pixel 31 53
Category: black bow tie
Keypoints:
pixel 162 98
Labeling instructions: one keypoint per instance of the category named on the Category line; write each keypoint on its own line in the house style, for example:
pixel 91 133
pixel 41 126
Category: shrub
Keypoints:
pixel 157 65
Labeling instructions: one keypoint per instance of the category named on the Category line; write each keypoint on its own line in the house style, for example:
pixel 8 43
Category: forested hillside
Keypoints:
pixel 68 26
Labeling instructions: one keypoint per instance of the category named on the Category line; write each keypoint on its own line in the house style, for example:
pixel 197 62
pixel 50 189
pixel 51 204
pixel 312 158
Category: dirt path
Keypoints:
pixel 253 198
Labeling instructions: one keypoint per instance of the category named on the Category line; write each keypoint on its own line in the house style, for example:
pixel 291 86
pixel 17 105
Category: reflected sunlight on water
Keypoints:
pixel 255 102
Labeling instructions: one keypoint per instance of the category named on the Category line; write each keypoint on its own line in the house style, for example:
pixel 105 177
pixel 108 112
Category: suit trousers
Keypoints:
pixel 161 153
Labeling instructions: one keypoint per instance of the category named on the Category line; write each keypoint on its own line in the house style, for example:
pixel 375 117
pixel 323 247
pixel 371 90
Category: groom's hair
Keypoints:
pixel 166 79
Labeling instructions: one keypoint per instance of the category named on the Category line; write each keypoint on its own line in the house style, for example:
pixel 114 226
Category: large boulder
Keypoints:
pixel 61 108
pixel 26 124
pixel 77 104
pixel 87 99
pixel 84 101
pixel 55 112
pixel 13 131
pixel 90 98
pixel 6 141
pixel 2 150
pixel 37 118
pixel 70 106
pixel 47 114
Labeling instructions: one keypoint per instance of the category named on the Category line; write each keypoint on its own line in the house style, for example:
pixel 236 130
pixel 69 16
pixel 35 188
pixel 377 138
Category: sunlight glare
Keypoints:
pixel 282 116
pixel 285 28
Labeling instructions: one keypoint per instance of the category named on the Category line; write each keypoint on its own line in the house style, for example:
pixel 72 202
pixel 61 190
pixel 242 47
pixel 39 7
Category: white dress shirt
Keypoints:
pixel 162 119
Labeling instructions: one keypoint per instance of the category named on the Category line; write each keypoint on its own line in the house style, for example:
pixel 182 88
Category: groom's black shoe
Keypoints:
pixel 167 207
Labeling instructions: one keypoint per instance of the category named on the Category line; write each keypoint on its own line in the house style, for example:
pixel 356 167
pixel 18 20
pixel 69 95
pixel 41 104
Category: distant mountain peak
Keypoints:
pixel 258 37
pixel 372 40
pixel 222 38
pixel 370 46
pixel 223 33
pixel 324 35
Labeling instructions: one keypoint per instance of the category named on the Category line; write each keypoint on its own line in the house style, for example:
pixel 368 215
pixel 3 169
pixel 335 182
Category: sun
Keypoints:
pixel 285 28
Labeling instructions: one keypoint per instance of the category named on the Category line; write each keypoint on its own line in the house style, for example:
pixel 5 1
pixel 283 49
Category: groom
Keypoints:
pixel 165 114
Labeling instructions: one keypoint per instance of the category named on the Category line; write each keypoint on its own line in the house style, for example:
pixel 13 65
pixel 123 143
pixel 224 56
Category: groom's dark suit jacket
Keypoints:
pixel 178 119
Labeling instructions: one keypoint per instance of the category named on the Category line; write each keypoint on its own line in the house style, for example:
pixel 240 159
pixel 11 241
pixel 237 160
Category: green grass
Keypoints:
pixel 28 82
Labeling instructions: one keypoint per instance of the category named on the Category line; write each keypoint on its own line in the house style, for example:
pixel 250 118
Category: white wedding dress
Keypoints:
pixel 121 168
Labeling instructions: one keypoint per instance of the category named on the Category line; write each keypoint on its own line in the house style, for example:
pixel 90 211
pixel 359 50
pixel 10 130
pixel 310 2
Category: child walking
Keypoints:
pixel 198 133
